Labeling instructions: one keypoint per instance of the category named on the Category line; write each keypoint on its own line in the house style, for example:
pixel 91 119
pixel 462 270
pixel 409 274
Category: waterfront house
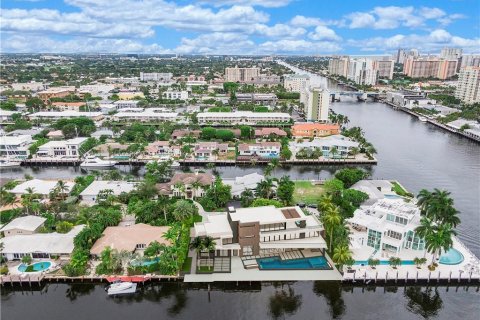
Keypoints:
pixel 40 245
pixel 209 150
pixel 132 238
pixel 15 146
pixel 159 148
pixel 90 194
pixel 240 184
pixel 186 185
pixel 311 130
pixel 324 146
pixel 145 115
pixel 261 231
pixel 40 187
pixel 61 149
pixel 261 150
pixel 23 225
pixel 243 118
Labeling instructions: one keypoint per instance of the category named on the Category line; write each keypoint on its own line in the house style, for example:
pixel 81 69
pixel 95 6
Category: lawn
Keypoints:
pixel 397 188
pixel 187 265
pixel 307 192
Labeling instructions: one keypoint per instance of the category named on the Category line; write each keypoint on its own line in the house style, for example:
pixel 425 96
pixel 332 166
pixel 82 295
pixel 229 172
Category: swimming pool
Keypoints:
pixel 392 196
pixel 384 262
pixel 145 263
pixel 275 263
pixel 36 267
pixel 451 257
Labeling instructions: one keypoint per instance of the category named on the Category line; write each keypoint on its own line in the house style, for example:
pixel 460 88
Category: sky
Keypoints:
pixel 300 27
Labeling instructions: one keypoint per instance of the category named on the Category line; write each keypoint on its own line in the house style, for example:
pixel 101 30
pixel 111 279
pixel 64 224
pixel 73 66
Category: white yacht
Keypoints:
pixel 119 287
pixel 95 162
pixel 9 163
pixel 423 119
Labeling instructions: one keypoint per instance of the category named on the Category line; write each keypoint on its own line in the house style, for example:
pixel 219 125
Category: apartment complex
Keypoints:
pixel 145 115
pixel 241 75
pixel 361 71
pixel 258 98
pixel 263 230
pixel 164 77
pixel 242 117
pixel 57 115
pixel 174 95
pixel 339 66
pixel 384 68
pixel 310 130
pixel 317 104
pixel 468 85
pixel 451 53
pixel 429 67
pixel 296 82
pixel 55 92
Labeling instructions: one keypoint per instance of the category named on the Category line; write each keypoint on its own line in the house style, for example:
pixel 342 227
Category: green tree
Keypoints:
pixel 184 210
pixel 264 189
pixel 246 198
pixel 395 262
pixel 373 262
pixel 334 187
pixel 341 255
pixel 27 259
pixel 331 218
pixel 154 249
pixel 63 226
pixel 261 202
pixel 285 190
pixel 350 176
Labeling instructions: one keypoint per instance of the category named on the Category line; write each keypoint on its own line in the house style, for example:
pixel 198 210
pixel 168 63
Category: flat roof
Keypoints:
pixel 116 186
pixel 39 186
pixel 263 215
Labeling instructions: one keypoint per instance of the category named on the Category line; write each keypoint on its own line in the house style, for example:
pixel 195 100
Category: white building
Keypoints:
pixel 468 85
pixel 262 149
pixel 451 53
pixel 362 72
pixel 41 187
pixel 145 115
pixel 96 89
pixel 241 74
pixel 338 66
pixel 40 245
pixel 23 225
pixel 296 82
pixel 164 77
pixel 384 68
pixel 240 184
pixel 341 144
pixel 409 99
pixel 57 115
pixel 174 95
pixel 121 104
pixel 62 149
pixel 29 86
pixel 15 146
pixel 243 117
pixel 470 60
pixel 6 116
pixel 317 104
pixel 90 194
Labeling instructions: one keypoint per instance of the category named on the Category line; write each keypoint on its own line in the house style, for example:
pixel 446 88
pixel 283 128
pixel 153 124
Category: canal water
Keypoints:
pixel 417 154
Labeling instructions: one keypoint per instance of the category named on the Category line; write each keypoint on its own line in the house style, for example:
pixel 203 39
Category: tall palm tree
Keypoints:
pixel 264 188
pixel 331 218
pixel 326 202
pixel 341 255
pixel 438 206
pixel 334 151
pixel 62 189
pixel 440 239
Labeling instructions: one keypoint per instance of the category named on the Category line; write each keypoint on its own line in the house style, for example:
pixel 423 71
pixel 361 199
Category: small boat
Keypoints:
pixel 119 287
pixel 423 119
pixel 7 163
pixel 95 162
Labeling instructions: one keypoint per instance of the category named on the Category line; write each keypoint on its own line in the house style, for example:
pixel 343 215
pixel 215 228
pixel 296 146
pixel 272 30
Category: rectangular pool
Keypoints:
pixel 275 263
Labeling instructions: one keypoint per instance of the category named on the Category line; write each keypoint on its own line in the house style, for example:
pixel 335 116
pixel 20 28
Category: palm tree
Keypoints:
pixel 438 205
pixel 326 202
pixel 354 151
pixel 62 189
pixel 27 198
pixel 331 218
pixel 440 239
pixel 341 255
pixel 196 185
pixel 333 151
pixel 264 188
pixel 274 163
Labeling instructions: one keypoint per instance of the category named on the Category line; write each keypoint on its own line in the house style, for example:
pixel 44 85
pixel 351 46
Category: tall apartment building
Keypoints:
pixel 362 71
pixel 451 53
pixel 384 68
pixel 338 66
pixel 156 76
pixel 296 82
pixel 241 74
pixel 429 67
pixel 317 103
pixel 470 60
pixel 468 86
pixel 403 54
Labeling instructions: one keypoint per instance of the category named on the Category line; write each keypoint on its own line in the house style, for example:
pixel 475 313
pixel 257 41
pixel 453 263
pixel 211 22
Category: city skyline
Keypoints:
pixel 237 27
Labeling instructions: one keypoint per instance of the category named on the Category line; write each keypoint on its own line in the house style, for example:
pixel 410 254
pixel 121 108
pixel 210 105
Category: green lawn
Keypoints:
pixel 205 269
pixel 307 193
pixel 187 265
pixel 400 191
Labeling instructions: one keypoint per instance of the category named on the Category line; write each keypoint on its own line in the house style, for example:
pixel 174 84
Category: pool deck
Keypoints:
pixel 239 273
pixel 13 267
pixel 466 270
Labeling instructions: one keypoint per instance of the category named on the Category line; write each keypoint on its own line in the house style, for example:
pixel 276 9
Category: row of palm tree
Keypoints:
pixel 438 222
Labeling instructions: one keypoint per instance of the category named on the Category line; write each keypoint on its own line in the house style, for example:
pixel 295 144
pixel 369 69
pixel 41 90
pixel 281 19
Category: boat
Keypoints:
pixel 95 162
pixel 423 119
pixel 7 163
pixel 120 287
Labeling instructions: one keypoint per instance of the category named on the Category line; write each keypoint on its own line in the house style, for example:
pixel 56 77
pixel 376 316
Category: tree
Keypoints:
pixel 27 259
pixel 246 132
pixel 419 261
pixel 438 206
pixel 260 202
pixel 373 262
pixel 331 218
pixel 341 255
pixel 219 194
pixel 334 151
pixel 350 176
pixel 63 226
pixel 440 238
pixel 394 262
pixel 224 135
pixel 264 188
pixel 197 244
pixel 285 190
pixel 184 209
pixel 62 189
pixel 154 249
pixel 208 133
pixel 334 187
pixel 246 198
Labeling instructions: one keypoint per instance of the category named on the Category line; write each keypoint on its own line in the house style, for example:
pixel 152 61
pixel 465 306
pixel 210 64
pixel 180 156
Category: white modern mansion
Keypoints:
pixel 15 146
pixel 65 148
pixel 243 117
pixel 342 146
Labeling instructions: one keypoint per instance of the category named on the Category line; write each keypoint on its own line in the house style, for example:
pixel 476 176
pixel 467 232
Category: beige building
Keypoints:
pixel 339 66
pixel 384 68
pixel 468 86
pixel 317 103
pixel 429 68
pixel 241 74
pixel 55 92
pixel 296 82
pixel 23 226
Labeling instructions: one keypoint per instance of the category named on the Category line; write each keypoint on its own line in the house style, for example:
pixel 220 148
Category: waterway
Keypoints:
pixel 417 154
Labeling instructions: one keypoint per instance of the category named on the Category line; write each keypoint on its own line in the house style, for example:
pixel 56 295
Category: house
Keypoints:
pixel 122 104
pixel 265 230
pixel 177 134
pixel 15 146
pixel 310 130
pixel 133 238
pixel 102 133
pixel 336 146
pixel 186 185
pixel 243 118
pixel 41 187
pixel 174 95
pixel 55 135
pixel 62 149
pixel 40 245
pixel 208 150
pixel 57 115
pixel 159 148
pixel 262 149
pixel 269 132
pixel 90 194
pixel 6 116
pixel 386 228
pixel 240 184
pixel 113 150
pixel 23 225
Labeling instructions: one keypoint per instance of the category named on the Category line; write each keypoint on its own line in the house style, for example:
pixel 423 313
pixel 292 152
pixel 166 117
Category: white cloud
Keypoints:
pixel 259 3
pixel 323 33
pixel 298 46
pixel 302 21
pixel 278 30
pixel 217 43
pixel 360 20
